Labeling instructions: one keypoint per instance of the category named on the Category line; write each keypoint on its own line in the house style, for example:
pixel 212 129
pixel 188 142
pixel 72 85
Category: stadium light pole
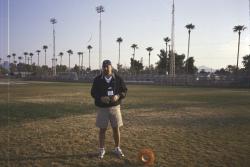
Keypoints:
pixel 249 20
pixel 172 58
pixel 100 10
pixel 53 22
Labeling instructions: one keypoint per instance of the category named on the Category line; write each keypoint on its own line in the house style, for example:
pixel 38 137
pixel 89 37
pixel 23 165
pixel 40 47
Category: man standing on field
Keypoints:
pixel 108 90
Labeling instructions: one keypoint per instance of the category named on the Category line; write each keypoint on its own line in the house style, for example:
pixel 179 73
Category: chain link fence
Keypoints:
pixel 210 80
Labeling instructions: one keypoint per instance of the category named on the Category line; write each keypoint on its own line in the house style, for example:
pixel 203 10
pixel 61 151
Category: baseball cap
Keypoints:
pixel 106 63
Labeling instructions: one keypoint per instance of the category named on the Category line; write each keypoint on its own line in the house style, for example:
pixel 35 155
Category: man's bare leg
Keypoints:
pixel 102 133
pixel 116 136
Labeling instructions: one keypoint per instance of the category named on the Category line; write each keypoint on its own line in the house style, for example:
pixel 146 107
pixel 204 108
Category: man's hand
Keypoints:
pixel 115 98
pixel 105 99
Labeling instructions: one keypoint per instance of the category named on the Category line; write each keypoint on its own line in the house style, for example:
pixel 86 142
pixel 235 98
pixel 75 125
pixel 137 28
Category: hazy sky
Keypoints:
pixel 143 22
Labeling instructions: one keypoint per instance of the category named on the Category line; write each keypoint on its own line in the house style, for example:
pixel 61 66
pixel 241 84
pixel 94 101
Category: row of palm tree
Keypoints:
pixel 134 47
pixel 28 60
pixel 70 52
pixel 238 29
pixel 119 40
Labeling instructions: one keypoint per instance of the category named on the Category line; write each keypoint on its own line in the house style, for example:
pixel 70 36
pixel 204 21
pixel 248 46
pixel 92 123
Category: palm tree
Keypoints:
pixel 38 51
pixel 70 52
pixel 189 27
pixel 31 55
pixel 53 21
pixel 28 60
pixel 20 58
pixel 8 56
pixel 119 40
pixel 238 29
pixel 45 47
pixel 14 58
pixel 167 39
pixel 82 61
pixel 79 53
pixel 61 55
pixel 25 57
pixel 149 49
pixel 134 46
pixel 89 47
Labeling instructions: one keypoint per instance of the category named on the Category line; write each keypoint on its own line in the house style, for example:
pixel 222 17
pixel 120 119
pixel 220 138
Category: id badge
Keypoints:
pixel 110 93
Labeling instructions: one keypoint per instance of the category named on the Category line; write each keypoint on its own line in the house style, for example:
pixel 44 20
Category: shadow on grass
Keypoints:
pixel 160 106
pixel 201 122
pixel 29 111
pixel 77 156
pixel 18 113
pixel 91 155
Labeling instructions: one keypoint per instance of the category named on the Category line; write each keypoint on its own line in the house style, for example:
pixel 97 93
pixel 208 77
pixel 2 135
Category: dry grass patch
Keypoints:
pixel 184 126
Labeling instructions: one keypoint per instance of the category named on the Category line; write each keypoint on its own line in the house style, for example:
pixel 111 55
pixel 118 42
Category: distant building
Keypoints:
pixel 206 69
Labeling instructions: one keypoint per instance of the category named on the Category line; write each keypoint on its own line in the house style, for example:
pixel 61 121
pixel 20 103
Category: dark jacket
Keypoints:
pixel 100 87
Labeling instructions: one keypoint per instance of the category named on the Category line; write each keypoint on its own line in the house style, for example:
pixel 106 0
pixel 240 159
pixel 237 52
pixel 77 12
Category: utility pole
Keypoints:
pixel 172 55
pixel 249 24
pixel 100 10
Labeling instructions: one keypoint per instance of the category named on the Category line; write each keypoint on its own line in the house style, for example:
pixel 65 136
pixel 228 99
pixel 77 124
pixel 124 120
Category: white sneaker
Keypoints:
pixel 118 152
pixel 101 153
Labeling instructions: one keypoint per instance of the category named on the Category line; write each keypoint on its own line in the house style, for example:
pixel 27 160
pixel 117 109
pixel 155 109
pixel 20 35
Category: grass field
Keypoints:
pixel 53 124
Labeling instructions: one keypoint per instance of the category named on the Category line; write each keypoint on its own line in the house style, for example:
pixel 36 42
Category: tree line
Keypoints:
pixel 183 64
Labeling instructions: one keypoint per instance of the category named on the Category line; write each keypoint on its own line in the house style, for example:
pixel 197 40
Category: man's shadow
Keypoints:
pixel 62 156
pixel 90 155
